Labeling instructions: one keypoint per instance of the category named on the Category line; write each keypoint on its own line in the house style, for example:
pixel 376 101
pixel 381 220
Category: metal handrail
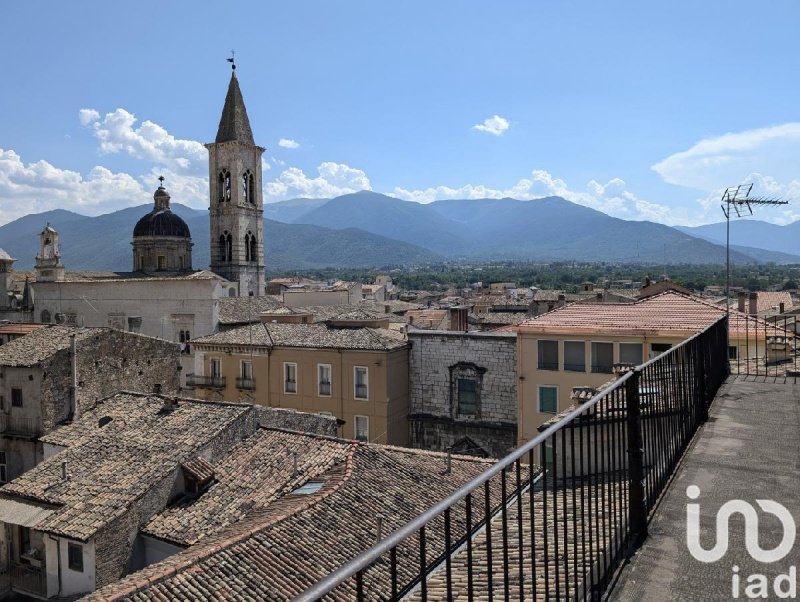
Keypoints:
pixel 373 554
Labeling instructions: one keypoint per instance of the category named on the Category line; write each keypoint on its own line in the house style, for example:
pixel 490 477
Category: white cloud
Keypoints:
pixel 288 143
pixel 494 125
pixel 717 162
pixel 334 179
pixel 117 132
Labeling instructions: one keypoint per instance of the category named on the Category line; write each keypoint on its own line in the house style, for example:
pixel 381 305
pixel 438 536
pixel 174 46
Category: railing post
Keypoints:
pixel 637 507
pixel 702 375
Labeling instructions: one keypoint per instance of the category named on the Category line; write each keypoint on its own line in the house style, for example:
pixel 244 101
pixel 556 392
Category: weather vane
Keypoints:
pixel 232 60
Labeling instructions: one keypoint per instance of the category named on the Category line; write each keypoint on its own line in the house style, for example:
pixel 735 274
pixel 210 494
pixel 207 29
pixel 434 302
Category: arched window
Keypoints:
pixel 251 183
pixel 224 185
pixel 229 248
pixel 246 187
pixel 222 247
pixel 253 248
pixel 45 316
pixel 247 247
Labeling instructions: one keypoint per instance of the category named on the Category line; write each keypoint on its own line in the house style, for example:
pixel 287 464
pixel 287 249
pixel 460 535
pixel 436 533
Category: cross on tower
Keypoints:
pixel 161 181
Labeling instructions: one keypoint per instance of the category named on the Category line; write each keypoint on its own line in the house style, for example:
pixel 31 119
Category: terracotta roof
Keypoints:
pixel 278 552
pixel 240 310
pixel 249 479
pixel 41 343
pixel 315 336
pixel 435 319
pixel 766 300
pixel 20 328
pixel 111 466
pixel 670 313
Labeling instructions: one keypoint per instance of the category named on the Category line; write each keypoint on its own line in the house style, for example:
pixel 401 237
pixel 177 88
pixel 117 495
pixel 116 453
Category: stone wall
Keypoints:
pixel 305 422
pixel 436 358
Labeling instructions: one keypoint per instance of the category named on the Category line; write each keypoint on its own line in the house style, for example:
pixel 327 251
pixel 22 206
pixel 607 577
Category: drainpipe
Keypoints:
pixel 73 389
pixel 58 562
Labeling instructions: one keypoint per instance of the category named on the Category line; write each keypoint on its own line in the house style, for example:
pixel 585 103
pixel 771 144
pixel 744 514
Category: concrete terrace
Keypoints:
pixel 749 449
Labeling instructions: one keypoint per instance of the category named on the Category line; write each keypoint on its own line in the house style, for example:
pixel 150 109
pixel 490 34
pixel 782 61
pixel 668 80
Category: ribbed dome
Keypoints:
pixel 161 222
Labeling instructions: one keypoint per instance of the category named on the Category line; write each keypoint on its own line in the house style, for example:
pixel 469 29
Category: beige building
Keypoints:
pixel 355 370
pixel 578 345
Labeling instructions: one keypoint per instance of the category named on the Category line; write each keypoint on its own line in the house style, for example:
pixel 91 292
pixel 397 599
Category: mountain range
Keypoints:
pixel 368 229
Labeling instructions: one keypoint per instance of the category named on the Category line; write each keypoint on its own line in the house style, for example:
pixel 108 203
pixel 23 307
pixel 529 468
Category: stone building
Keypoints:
pixel 161 239
pixel 463 391
pixel 16 296
pixel 236 198
pixel 56 373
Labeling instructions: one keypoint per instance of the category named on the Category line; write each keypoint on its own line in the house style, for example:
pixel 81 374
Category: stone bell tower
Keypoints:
pixel 236 201
pixel 48 262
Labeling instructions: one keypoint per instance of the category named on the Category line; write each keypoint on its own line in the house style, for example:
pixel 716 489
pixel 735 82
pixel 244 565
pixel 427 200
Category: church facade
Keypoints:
pixel 162 295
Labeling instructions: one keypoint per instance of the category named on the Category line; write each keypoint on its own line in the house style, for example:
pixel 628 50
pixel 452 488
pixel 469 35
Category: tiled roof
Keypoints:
pixel 249 479
pixel 240 310
pixel 40 344
pixel 428 318
pixel 20 328
pixel 111 466
pixel 499 317
pixel 277 553
pixel 669 313
pixel 364 311
pixel 315 336
pixel 766 300
pixel 128 276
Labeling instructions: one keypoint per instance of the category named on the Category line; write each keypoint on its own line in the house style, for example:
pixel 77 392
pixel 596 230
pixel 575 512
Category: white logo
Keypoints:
pixel 751 529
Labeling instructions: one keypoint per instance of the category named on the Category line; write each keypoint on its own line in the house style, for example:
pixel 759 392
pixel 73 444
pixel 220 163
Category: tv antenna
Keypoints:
pixel 737 200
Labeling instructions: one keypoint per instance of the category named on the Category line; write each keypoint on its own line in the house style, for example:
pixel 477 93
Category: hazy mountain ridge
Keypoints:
pixel 752 233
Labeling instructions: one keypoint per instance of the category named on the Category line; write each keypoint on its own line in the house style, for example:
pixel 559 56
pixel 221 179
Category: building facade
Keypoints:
pixel 463 392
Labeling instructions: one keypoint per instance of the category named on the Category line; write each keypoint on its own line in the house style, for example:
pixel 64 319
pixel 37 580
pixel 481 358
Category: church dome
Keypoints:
pixel 161 221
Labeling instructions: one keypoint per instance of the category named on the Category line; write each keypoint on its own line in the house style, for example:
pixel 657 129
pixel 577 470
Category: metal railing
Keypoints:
pixel 555 518
pixel 211 382
pixel 27 579
pixel 247 384
pixel 20 426
pixel 764 346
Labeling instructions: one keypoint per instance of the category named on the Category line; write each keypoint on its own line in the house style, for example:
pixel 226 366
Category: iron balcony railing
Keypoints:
pixel 28 579
pixel 247 384
pixel 555 518
pixel 764 345
pixel 20 426
pixel 210 382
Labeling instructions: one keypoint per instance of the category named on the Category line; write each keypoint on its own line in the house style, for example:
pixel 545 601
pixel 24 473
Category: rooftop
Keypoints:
pixel 276 553
pixel 103 480
pixel 240 310
pixel 41 343
pixel 130 276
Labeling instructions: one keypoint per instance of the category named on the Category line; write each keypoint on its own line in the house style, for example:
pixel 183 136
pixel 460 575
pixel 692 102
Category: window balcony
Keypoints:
pixel 205 382
pixel 246 384
pixel 19 426
pixel 28 579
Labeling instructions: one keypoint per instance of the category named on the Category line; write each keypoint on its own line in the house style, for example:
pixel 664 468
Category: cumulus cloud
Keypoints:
pixel 333 179
pixel 288 143
pixel 118 132
pixel 494 125
pixel 729 159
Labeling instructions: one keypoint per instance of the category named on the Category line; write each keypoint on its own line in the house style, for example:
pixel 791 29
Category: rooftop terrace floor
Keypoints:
pixel 748 450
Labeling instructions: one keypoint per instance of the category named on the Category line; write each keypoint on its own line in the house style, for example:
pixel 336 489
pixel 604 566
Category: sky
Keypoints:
pixel 642 110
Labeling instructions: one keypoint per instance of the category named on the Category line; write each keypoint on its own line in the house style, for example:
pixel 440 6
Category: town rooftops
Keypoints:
pixel 114 454
pixel 135 276
pixel 316 336
pixel 669 313
pixel 240 310
pixel 41 343
pixel 19 328
pixel 278 551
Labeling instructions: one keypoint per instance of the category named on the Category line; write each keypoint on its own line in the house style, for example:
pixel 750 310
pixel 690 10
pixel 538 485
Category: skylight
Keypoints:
pixel 308 488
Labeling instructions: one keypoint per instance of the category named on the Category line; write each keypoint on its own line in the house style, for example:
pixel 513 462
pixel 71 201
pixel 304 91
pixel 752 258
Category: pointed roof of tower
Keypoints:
pixel 234 124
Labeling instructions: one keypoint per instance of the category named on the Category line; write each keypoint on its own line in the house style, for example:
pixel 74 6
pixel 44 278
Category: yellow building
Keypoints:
pixel 578 345
pixel 356 371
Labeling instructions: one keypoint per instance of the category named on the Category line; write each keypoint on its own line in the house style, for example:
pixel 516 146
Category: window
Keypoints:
pixel 602 357
pixel 181 261
pixel 362 428
pixel 548 355
pixel 575 356
pixel 324 379
pixel 16 398
pixel 216 368
pixel 548 400
pixel 361 384
pixel 162 262
pixel 247 247
pixel 247 370
pixel 631 353
pixel 657 349
pixel 253 248
pixel 45 316
pixel 75 557
pixel 467 397
pixel 733 352
pixel 224 185
pixel 3 469
pixel 308 489
pixel 289 378
pixel 245 186
pixel 141 262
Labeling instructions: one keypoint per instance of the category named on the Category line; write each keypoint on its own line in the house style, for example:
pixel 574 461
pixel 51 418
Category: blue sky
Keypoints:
pixel 642 110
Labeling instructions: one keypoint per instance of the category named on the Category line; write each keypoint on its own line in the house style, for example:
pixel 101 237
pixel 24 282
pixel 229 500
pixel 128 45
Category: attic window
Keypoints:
pixel 308 489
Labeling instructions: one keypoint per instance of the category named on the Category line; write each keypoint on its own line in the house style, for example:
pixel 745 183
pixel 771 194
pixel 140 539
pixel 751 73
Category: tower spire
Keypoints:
pixel 234 123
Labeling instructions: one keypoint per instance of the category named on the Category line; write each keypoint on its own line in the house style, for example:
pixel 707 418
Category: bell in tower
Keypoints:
pixel 48 262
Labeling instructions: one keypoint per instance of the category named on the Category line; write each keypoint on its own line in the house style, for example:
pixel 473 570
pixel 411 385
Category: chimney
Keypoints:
pixel 379 534
pixel 599 297
pixel 73 387
pixel 741 298
pixel 448 466
pixel 647 281
pixel 64 473
pixel 562 300
pixel 753 304
pixel 782 307
pixel 157 389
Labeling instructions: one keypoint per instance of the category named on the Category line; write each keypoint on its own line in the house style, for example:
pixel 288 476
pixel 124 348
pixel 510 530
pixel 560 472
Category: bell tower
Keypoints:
pixel 48 262
pixel 236 200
